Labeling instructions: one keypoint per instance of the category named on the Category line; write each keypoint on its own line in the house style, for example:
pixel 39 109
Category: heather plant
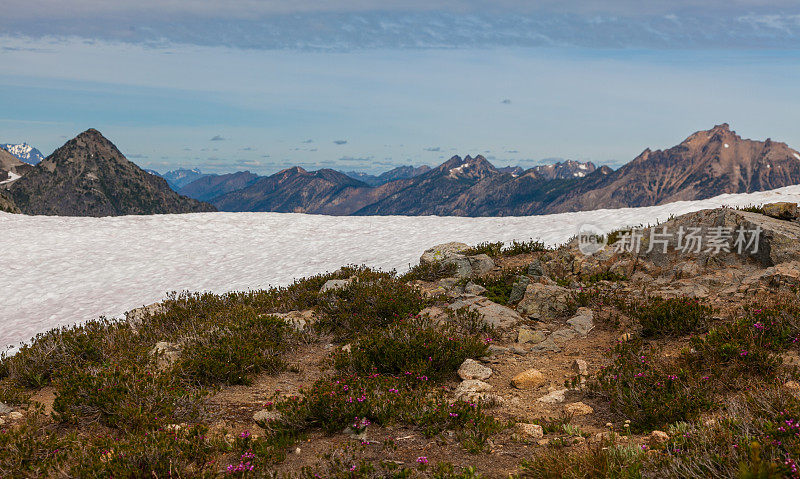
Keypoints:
pixel 429 272
pixel 670 317
pixel 523 247
pixel 236 351
pixel 498 287
pixel 649 390
pixel 414 345
pixel 366 305
pixel 128 396
pixel 487 248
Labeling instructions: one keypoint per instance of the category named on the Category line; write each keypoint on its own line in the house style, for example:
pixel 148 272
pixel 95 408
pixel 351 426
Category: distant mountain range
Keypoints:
pixel 24 152
pixel 88 176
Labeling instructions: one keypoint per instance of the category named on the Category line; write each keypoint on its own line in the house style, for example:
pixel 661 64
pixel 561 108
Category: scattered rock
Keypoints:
pixel 168 353
pixel 578 409
pixel 536 269
pixel 527 335
pixel 530 379
pixel 472 288
pixel 657 437
pixel 518 289
pixel 15 415
pixel 264 417
pixel 333 284
pixel 543 442
pixel 582 322
pixel 472 389
pixel 442 252
pixel 793 386
pixel 136 316
pixel 5 409
pixel 625 337
pixel 494 314
pixel 471 369
pixel 546 346
pixel 580 367
pixel 563 335
pixel 299 320
pixel 544 302
pixel 529 431
pixel 2 421
pixel 553 397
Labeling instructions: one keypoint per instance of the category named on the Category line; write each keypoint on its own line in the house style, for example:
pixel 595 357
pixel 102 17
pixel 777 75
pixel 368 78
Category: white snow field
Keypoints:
pixel 61 270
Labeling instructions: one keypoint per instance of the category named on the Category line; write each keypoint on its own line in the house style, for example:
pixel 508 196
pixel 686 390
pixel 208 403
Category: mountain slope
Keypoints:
pixel 399 173
pixel 181 177
pixel 291 190
pixel 88 176
pixel 208 187
pixel 706 164
pixel 24 152
pixel 11 169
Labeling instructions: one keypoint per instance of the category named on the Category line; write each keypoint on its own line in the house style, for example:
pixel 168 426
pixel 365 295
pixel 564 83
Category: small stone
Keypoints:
pixel 5 409
pixel 471 369
pixel 578 409
pixel 580 367
pixel 624 338
pixel 530 379
pixel 472 288
pixel 656 438
pixel 264 417
pixel 563 335
pixel 471 388
pixel 333 284
pixel 527 335
pixel 582 322
pixel 530 431
pixel 792 386
pixel 554 397
pixel 536 269
pixel 297 450
pixel 2 421
pixel 546 346
pixel 15 415
pixel 543 442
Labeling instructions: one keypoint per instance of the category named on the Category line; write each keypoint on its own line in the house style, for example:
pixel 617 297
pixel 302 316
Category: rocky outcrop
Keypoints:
pixel 544 301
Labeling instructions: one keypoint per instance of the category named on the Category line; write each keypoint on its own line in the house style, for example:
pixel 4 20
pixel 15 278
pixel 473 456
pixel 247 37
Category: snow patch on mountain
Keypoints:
pixel 76 269
pixel 11 178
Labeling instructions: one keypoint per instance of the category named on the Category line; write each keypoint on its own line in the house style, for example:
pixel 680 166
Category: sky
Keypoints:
pixel 368 85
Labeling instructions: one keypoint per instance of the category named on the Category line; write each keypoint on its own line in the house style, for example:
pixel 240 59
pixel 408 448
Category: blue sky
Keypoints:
pixel 363 85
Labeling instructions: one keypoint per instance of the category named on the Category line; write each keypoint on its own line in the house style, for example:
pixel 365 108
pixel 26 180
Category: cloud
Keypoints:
pixel 247 148
pixel 308 141
pixel 136 156
pixel 340 142
pixel 433 148
pixel 217 138
pixel 513 152
pixel 506 101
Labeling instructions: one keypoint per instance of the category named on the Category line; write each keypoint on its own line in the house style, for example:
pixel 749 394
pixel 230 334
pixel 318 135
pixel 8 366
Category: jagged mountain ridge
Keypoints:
pixel 88 176
pixel 399 173
pixel 706 164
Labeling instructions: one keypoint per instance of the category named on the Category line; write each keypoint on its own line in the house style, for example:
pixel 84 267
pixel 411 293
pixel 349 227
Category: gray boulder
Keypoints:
pixel 582 322
pixel 494 314
pixel 441 252
pixel 544 301
pixel 518 289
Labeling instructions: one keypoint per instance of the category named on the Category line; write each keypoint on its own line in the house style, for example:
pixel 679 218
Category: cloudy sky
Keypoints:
pixel 367 85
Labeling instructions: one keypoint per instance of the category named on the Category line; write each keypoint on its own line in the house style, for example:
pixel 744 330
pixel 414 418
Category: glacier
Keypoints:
pixel 59 271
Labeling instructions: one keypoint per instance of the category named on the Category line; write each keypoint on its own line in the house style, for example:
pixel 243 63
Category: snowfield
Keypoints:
pixel 61 270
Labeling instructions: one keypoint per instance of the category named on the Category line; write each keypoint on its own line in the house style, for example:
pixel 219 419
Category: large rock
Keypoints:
pixel 530 379
pixel 494 314
pixel 471 369
pixel 518 289
pixel 442 252
pixel 469 266
pixel 582 322
pixel 472 389
pixel 782 211
pixel 544 302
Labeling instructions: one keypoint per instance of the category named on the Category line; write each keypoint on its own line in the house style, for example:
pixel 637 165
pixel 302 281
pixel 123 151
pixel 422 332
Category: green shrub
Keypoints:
pixel 125 396
pixel 236 351
pixel 523 247
pixel 366 305
pixel 604 276
pixel 661 317
pixel 429 272
pixel 413 346
pixel 649 390
pixel 490 249
pixel 498 287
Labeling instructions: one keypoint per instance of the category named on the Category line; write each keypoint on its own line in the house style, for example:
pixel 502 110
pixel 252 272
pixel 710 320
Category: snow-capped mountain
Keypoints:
pixel 24 152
